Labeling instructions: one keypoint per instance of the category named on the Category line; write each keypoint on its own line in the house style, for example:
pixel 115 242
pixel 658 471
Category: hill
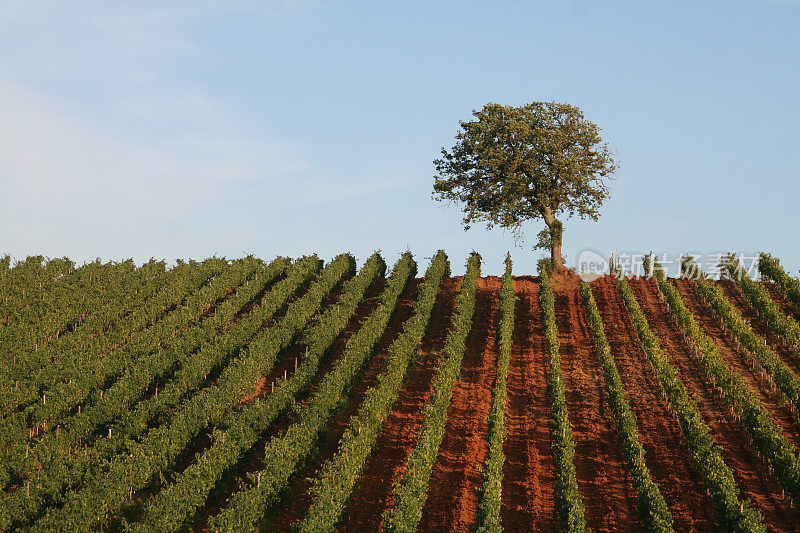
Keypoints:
pixel 233 395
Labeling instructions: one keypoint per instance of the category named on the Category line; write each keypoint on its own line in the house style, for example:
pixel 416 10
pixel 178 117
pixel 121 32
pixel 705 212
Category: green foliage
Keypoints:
pixel 771 268
pixel 767 438
pixel 690 269
pixel 101 366
pixel 756 346
pixel 33 275
pixel 334 484
pixel 283 455
pixel 44 305
pixel 491 491
pixel 411 492
pixel 647 264
pixel 120 370
pixel 515 164
pixel 49 469
pixel 652 508
pixel 105 336
pixel 735 514
pixel 545 265
pixel 777 320
pixel 659 272
pixel 161 446
pixel 569 502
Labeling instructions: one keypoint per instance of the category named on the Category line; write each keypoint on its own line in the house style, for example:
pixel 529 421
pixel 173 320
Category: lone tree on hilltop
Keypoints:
pixel 514 164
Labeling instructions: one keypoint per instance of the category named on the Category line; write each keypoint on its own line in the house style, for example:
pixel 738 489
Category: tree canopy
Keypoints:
pixel 511 164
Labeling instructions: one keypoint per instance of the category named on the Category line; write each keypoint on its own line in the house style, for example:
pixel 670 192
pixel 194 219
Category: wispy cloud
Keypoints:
pixel 71 183
pixel 99 145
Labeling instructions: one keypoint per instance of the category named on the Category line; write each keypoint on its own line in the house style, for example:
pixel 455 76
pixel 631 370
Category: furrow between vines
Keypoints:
pixel 602 472
pixel 749 470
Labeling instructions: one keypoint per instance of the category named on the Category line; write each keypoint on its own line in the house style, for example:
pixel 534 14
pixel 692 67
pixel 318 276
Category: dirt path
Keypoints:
pixel 299 496
pixel 529 475
pixel 749 471
pixel 759 325
pixel 452 502
pixel 372 494
pixel 660 433
pixel 756 382
pixel 603 477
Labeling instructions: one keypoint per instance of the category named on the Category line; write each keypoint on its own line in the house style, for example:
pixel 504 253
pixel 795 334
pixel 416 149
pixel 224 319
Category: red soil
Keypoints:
pixel 372 494
pixel 529 475
pixel 299 495
pixel 759 325
pixel 452 502
pixel 529 471
pixel 667 458
pixel 258 391
pixel 751 474
pixel 756 381
pixel 602 472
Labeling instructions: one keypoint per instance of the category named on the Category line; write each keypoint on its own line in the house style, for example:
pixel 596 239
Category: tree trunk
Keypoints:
pixel 556 237
pixel 556 233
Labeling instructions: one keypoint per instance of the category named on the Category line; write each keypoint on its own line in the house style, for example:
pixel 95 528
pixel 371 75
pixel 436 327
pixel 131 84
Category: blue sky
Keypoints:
pixel 184 129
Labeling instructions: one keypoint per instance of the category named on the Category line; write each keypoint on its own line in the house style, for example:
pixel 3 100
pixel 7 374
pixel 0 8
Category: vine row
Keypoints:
pixel 492 488
pixel 767 438
pixel 283 455
pixel 333 486
pixel 569 501
pixel 411 491
pixel 734 514
pixel 653 510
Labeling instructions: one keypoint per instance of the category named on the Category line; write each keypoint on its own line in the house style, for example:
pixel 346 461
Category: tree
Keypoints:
pixel 515 164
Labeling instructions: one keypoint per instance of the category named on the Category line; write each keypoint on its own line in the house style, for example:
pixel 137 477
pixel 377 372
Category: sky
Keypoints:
pixel 191 128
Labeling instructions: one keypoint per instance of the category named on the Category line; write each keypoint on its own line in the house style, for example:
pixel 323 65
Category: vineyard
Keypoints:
pixel 300 395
